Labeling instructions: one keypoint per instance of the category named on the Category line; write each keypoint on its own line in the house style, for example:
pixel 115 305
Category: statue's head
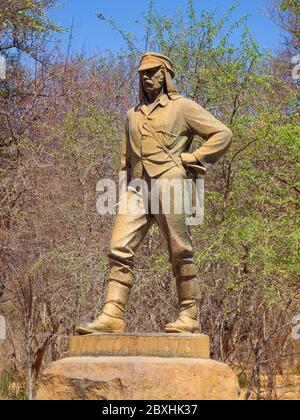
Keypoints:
pixel 156 72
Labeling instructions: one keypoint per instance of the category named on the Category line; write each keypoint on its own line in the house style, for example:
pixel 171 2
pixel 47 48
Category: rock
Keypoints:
pixel 138 367
pixel 137 378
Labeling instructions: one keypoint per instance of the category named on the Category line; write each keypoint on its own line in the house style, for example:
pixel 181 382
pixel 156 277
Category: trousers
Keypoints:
pixel 130 228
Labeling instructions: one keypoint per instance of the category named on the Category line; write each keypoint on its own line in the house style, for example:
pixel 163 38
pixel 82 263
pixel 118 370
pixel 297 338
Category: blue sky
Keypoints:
pixel 96 36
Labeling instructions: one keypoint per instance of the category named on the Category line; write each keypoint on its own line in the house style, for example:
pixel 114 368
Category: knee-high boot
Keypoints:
pixel 111 319
pixel 188 293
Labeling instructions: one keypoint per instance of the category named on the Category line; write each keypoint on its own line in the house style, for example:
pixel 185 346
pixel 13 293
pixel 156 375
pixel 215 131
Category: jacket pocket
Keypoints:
pixel 168 138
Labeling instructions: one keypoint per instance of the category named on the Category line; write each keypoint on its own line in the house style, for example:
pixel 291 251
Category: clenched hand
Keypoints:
pixel 188 159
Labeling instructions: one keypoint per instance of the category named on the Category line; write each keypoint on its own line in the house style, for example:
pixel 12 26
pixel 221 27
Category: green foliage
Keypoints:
pixel 243 381
pixel 290 5
pixel 160 264
pixel 77 130
pixel 9 387
pixel 56 145
pixel 24 25
pixel 262 167
pixel 25 16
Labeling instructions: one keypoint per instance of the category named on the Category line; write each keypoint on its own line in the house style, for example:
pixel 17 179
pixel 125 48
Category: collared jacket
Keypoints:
pixel 176 120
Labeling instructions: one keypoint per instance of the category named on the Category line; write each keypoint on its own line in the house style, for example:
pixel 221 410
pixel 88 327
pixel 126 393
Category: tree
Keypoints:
pixel 60 132
pixel 246 250
pixel 24 25
pixel 286 13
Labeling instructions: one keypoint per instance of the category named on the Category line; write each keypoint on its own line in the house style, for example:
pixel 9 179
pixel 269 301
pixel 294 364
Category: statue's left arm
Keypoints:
pixel 218 137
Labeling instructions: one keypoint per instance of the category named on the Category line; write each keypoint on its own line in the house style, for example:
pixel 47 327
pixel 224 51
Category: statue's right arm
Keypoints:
pixel 125 161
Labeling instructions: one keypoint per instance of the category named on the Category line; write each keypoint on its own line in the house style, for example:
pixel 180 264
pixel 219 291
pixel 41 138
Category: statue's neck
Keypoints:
pixel 150 99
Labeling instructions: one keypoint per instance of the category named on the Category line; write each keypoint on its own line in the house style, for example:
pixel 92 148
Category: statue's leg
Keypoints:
pixel 128 232
pixel 179 241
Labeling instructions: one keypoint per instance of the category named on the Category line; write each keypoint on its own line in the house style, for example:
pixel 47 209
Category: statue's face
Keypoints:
pixel 153 80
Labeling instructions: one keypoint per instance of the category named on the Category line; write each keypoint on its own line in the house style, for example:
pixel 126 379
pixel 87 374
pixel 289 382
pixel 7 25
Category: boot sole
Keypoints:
pixel 177 330
pixel 86 331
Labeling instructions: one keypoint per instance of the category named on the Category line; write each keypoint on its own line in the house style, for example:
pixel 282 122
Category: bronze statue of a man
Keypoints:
pixel 159 132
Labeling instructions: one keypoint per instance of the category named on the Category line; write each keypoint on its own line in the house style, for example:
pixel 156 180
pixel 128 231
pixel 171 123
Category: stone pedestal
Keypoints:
pixel 139 367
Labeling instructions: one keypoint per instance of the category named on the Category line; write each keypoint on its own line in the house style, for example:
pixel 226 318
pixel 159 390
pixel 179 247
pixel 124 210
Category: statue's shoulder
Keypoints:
pixel 183 100
pixel 189 105
pixel 134 109
pixel 130 112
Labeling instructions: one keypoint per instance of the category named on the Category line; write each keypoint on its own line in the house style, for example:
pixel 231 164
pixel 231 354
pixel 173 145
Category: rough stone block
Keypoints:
pixel 138 378
pixel 155 345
